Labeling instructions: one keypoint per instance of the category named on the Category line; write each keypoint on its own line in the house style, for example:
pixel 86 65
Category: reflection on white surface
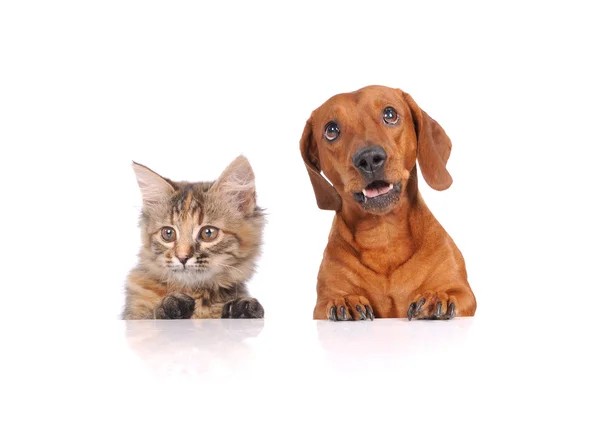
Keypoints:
pixel 388 344
pixel 396 336
pixel 464 375
pixel 191 347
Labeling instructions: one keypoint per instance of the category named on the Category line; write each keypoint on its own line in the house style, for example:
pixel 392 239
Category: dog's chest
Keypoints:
pixel 386 257
pixel 385 252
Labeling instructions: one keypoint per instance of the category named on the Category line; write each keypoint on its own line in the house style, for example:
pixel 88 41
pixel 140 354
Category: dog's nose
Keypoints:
pixel 370 160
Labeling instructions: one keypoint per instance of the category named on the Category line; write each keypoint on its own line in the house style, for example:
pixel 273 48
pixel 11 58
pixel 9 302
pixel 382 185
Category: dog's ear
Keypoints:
pixel 327 197
pixel 433 147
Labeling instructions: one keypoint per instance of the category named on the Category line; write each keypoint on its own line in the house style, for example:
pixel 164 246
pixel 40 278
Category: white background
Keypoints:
pixel 185 87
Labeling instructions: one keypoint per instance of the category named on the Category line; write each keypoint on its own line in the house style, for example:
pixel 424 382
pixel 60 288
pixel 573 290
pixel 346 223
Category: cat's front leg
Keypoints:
pixel 243 307
pixel 175 306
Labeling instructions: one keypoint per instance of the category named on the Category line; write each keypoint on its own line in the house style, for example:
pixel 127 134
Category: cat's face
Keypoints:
pixel 198 232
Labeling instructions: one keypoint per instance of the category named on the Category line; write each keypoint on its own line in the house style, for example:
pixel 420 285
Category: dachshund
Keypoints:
pixel 387 256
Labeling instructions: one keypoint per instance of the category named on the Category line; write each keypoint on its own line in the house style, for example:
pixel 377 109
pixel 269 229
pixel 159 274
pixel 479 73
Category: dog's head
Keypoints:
pixel 367 143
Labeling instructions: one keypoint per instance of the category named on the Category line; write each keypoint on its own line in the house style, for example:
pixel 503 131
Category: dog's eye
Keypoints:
pixel 390 116
pixel 168 234
pixel 332 131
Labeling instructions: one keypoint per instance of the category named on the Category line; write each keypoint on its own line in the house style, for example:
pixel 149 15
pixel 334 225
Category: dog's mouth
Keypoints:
pixel 378 195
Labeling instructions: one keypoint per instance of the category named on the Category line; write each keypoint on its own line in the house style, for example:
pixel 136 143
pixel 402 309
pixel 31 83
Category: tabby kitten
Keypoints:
pixel 200 243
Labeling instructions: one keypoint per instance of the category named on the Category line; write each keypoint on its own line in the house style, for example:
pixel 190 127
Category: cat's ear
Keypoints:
pixel 237 183
pixel 154 187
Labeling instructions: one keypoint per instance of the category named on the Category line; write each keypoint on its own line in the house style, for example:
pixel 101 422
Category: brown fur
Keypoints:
pixel 211 282
pixel 395 258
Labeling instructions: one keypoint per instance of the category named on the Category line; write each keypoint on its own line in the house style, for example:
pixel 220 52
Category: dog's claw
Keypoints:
pixel 414 308
pixel 332 316
pixel 419 306
pixel 370 313
pixel 451 311
pixel 438 309
pixel 361 312
pixel 343 315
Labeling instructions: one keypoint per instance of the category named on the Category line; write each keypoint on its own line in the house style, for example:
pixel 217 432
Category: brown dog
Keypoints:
pixel 387 255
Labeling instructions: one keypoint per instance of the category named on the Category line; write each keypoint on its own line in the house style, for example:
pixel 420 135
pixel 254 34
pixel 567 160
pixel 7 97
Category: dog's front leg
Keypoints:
pixel 339 297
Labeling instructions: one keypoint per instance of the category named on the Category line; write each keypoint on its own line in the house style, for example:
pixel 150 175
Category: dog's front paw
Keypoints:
pixel 175 306
pixel 351 307
pixel 432 305
pixel 244 307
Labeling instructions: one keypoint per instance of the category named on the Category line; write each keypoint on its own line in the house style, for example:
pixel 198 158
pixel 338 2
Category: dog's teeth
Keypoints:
pixel 364 192
pixel 391 186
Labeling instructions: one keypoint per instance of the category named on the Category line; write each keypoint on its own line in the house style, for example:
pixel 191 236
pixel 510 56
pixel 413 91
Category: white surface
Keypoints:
pixel 465 375
pixel 86 87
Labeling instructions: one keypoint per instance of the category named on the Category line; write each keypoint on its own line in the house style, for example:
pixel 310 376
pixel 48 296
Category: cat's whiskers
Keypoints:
pixel 234 268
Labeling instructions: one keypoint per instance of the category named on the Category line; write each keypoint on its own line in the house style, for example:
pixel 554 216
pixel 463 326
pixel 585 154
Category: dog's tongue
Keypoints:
pixel 376 191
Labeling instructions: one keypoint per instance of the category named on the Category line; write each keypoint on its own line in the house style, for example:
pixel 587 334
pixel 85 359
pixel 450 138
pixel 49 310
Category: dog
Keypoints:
pixel 387 256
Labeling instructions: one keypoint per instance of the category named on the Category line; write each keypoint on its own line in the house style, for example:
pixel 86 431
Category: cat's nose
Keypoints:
pixel 183 259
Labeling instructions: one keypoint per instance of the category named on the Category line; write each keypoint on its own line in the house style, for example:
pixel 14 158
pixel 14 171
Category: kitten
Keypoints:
pixel 200 243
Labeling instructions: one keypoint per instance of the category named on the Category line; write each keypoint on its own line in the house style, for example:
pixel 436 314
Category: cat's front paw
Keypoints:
pixel 244 307
pixel 175 306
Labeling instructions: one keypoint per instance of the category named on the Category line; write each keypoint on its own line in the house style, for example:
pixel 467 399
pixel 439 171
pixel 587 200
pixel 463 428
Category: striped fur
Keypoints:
pixel 216 271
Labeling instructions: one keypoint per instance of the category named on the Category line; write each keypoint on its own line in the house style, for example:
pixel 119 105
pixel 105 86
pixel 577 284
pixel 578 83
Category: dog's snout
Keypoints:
pixel 369 160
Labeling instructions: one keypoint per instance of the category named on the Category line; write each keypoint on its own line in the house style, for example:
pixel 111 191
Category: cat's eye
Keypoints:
pixel 209 233
pixel 168 234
